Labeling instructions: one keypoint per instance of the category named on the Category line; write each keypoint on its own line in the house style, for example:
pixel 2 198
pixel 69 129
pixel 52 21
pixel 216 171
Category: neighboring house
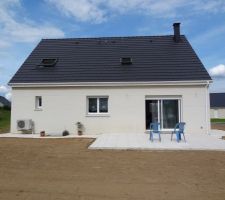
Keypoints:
pixel 217 105
pixel 112 85
pixel 4 102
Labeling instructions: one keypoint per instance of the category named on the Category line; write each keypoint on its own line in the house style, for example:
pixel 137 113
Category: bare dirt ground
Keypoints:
pixel 51 169
pixel 219 126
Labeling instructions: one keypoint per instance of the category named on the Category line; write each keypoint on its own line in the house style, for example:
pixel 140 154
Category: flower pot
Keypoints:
pixel 80 133
pixel 42 133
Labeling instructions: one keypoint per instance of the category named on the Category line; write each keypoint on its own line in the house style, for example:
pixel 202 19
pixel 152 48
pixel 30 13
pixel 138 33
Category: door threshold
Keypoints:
pixel 162 131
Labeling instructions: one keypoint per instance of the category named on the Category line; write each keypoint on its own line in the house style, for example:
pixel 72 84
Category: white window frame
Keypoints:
pixel 98 113
pixel 37 101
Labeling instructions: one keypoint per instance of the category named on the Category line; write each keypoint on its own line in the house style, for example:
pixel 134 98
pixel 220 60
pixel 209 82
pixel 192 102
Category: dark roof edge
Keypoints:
pixel 110 37
pixel 217 93
pixel 197 57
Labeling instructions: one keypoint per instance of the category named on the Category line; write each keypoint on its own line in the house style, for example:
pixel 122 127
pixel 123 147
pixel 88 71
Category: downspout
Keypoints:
pixel 207 113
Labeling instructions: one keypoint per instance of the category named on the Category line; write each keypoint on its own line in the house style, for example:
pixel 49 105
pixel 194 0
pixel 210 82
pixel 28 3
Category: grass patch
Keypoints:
pixel 217 120
pixel 4 120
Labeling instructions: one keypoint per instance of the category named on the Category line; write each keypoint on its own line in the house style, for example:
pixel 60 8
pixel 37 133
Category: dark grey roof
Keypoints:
pixel 217 100
pixel 5 101
pixel 154 58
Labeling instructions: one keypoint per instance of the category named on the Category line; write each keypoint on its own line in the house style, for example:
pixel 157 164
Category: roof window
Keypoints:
pixel 48 62
pixel 126 61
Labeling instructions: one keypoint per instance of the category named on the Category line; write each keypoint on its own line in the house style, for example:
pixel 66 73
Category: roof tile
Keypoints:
pixel 154 58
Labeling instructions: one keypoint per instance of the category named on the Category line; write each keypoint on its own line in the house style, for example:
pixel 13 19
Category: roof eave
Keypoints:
pixel 94 84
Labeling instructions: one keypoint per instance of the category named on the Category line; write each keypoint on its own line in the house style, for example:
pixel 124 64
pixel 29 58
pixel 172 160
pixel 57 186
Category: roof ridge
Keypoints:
pixel 109 37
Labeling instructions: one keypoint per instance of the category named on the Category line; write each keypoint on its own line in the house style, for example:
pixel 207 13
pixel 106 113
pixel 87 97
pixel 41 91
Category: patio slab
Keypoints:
pixel 120 141
pixel 15 135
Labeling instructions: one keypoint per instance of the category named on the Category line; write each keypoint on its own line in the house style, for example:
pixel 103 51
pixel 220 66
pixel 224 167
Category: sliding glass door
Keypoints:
pixel 170 113
pixel 164 111
pixel 152 112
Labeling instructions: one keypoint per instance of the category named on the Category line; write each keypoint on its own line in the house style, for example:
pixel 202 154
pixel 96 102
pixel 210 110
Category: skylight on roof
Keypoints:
pixel 48 62
pixel 126 61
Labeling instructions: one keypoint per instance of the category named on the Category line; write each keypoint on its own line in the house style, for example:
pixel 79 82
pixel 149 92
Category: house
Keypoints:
pixel 4 102
pixel 217 105
pixel 112 85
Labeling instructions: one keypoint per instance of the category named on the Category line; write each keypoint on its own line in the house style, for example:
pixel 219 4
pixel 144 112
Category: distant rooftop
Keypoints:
pixel 217 100
pixel 5 101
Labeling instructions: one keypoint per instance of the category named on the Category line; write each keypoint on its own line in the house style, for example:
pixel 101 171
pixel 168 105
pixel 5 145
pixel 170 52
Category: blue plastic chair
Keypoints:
pixel 178 130
pixel 154 129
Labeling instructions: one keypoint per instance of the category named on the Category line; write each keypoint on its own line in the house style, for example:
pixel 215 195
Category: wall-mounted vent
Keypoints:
pixel 48 62
pixel 126 61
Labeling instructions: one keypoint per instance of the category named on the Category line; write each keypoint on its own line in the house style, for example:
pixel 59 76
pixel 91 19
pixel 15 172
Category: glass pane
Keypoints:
pixel 39 101
pixel 92 107
pixel 170 113
pixel 151 112
pixel 103 105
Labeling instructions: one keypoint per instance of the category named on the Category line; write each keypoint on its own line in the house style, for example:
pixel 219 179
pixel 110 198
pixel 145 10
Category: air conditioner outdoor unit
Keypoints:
pixel 24 124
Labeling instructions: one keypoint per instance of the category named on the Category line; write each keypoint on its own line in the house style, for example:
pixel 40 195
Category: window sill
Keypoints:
pixel 98 115
pixel 38 109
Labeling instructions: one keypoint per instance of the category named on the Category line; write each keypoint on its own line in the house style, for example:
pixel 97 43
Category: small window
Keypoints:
pixel 126 61
pixel 38 102
pixel 97 105
pixel 48 62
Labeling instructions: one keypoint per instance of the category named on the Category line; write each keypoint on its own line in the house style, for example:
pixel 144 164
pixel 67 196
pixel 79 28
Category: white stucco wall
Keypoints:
pixel 217 112
pixel 64 106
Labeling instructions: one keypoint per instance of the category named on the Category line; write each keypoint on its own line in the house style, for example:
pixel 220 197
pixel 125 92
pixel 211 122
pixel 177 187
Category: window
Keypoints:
pixel 48 62
pixel 97 105
pixel 38 102
pixel 93 108
pixel 126 61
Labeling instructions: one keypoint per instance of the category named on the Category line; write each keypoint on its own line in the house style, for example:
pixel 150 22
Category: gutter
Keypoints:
pixel 207 111
pixel 102 84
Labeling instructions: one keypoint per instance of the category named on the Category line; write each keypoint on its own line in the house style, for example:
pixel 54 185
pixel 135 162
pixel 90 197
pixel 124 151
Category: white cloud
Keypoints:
pixel 83 10
pixel 5 91
pixel 15 28
pixel 159 8
pixel 218 71
pixel 29 33
pixel 4 44
pixel 8 95
pixel 98 11
pixel 212 6
pixel 167 7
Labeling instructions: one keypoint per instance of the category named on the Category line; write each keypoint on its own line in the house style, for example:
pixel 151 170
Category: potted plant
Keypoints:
pixel 42 133
pixel 65 133
pixel 79 128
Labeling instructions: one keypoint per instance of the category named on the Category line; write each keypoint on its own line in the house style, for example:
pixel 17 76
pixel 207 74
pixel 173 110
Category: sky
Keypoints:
pixel 23 23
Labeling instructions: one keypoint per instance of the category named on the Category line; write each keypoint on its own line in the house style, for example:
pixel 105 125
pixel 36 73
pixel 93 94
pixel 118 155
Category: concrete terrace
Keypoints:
pixel 119 141
pixel 194 141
